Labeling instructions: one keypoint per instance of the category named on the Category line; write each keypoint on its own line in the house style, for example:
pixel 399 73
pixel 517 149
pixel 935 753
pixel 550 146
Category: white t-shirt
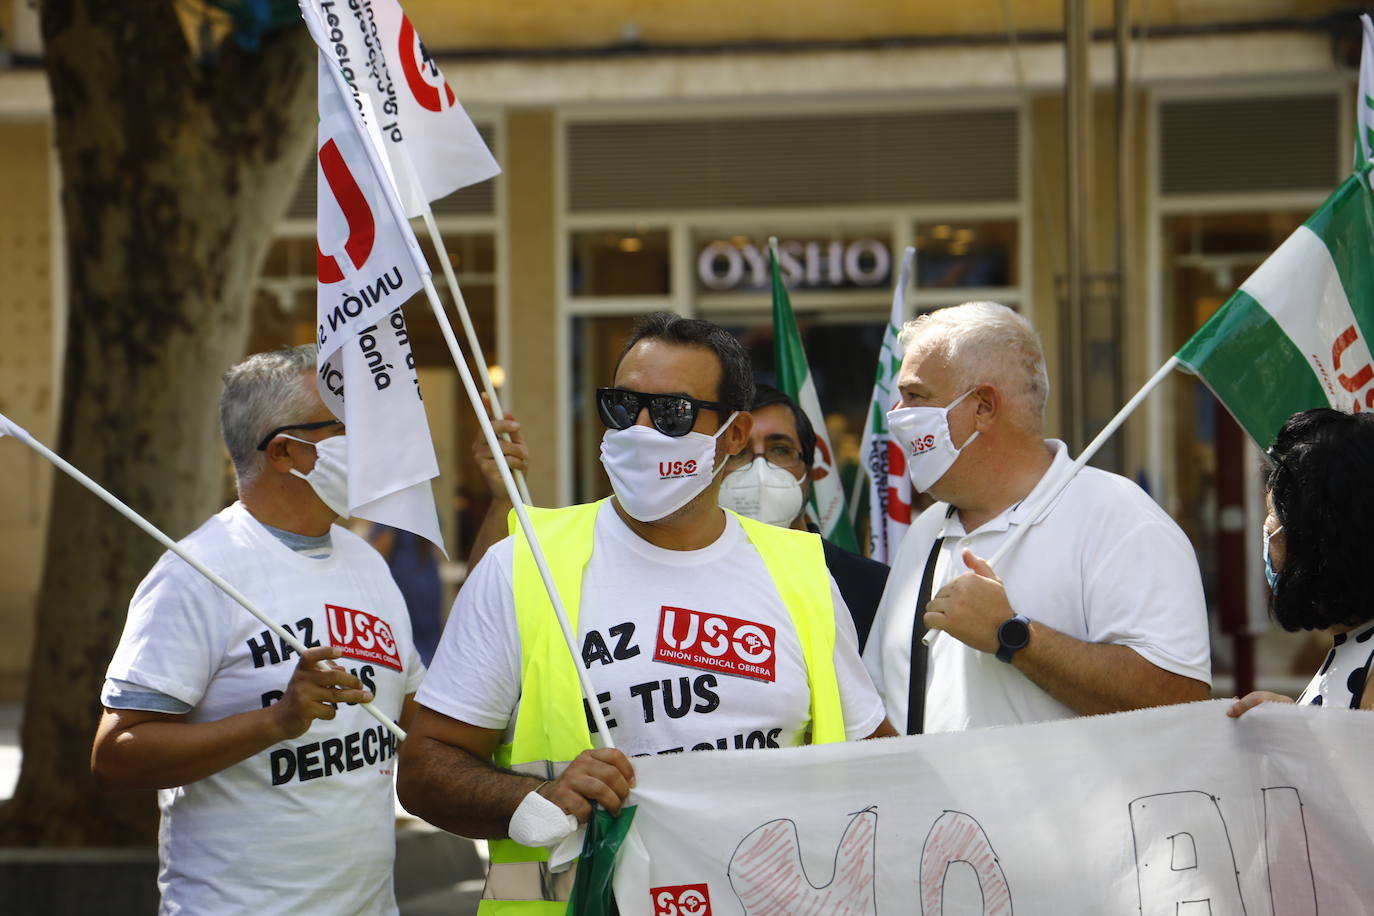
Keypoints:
pixel 1104 565
pixel 307 825
pixel 687 649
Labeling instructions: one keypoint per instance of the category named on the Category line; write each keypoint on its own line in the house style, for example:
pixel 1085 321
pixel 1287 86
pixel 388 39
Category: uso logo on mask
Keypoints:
pixel 714 642
pixel 363 636
pixel 681 900
pixel 922 445
pixel 671 470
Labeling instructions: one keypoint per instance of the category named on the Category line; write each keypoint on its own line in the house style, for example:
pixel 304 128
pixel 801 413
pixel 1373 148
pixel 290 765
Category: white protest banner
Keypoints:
pixel 390 453
pixel 445 149
pixel 433 145
pixel 369 265
pixel 1177 810
pixel 368 262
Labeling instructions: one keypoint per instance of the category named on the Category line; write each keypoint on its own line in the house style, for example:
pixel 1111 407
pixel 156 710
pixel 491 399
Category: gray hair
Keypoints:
pixel 263 392
pixel 988 343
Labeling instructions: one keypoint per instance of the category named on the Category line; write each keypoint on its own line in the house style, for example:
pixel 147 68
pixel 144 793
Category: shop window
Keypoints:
pixel 619 262
pixel 966 253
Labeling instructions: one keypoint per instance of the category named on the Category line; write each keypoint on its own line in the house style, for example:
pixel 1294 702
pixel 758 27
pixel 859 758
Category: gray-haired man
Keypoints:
pixel 253 748
pixel 1099 609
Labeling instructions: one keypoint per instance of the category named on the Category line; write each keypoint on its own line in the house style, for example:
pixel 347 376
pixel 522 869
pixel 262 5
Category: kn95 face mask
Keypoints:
pixel 768 494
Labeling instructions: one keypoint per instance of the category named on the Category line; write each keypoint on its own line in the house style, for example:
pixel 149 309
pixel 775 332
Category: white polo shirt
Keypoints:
pixel 1105 564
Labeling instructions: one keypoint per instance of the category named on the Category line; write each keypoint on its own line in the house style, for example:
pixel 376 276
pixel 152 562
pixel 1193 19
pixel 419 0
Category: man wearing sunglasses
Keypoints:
pixel 699 630
pixel 252 747
pixel 770 481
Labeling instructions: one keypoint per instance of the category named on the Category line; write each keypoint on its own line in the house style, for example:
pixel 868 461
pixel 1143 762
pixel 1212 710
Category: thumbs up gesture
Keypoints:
pixel 972 606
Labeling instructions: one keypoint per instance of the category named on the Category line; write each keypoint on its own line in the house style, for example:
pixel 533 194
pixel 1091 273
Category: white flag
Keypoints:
pixel 1364 128
pixel 889 487
pixel 369 264
pixel 433 147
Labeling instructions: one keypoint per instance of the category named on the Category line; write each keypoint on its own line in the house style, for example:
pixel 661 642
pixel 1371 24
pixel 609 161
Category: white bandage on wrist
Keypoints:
pixel 539 822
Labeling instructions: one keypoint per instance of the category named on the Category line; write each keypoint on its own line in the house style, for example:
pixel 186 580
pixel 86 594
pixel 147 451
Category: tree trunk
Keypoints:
pixel 175 172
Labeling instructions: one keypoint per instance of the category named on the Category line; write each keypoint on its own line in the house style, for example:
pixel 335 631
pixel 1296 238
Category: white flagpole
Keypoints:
pixel 8 426
pixel 860 475
pixel 474 347
pixel 490 435
pixel 1019 531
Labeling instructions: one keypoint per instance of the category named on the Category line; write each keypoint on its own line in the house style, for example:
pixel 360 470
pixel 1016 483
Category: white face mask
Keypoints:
pixel 923 433
pixel 329 477
pixel 764 493
pixel 654 475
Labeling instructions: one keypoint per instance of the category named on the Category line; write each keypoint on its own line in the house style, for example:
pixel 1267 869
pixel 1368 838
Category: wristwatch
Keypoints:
pixel 1012 636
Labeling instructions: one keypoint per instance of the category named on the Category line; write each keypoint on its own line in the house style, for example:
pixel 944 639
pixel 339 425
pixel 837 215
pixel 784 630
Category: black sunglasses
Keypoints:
pixel 262 446
pixel 672 414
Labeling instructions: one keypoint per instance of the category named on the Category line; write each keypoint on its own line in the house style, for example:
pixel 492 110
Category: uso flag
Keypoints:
pixel 431 144
pixel 890 495
pixel 368 265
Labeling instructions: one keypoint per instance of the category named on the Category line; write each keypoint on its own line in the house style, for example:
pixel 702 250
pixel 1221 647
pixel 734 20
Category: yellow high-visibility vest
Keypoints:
pixel 551 724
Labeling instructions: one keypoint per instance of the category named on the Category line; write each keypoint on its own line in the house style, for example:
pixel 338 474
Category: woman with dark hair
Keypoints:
pixel 1319 549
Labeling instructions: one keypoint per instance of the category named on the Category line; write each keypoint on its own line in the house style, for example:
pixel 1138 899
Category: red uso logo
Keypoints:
pixel 422 76
pixel 922 445
pixel 362 228
pixel 681 900
pixel 363 636
pixel 714 642
pixel 1355 380
pixel 668 470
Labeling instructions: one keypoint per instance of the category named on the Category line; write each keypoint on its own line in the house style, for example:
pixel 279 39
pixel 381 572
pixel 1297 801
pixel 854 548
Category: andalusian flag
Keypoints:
pixel 1364 126
pixel 884 461
pixel 794 379
pixel 1296 334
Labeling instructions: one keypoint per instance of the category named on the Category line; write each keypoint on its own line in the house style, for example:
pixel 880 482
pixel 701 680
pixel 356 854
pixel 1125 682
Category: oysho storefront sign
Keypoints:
pixel 723 266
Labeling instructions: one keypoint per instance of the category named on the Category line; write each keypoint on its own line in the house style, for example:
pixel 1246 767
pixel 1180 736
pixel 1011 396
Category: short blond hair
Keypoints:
pixel 987 343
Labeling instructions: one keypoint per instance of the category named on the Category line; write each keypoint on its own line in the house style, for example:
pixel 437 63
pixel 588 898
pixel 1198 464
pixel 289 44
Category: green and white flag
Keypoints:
pixel 889 487
pixel 794 379
pixel 1295 335
pixel 1364 115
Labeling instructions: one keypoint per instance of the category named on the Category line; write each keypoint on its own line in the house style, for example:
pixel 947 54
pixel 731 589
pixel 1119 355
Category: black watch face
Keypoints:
pixel 1013 633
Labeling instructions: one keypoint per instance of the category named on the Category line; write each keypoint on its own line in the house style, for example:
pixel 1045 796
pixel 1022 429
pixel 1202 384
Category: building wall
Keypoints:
pixel 551 23
pixel 536 335
pixel 28 391
pixel 1046 231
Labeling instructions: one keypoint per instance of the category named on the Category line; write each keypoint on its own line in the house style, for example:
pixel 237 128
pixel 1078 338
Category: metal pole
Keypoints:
pixel 1078 184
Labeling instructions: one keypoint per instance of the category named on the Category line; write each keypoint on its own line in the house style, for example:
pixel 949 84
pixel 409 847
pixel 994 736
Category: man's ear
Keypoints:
pixel 276 455
pixel 736 435
pixel 989 405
